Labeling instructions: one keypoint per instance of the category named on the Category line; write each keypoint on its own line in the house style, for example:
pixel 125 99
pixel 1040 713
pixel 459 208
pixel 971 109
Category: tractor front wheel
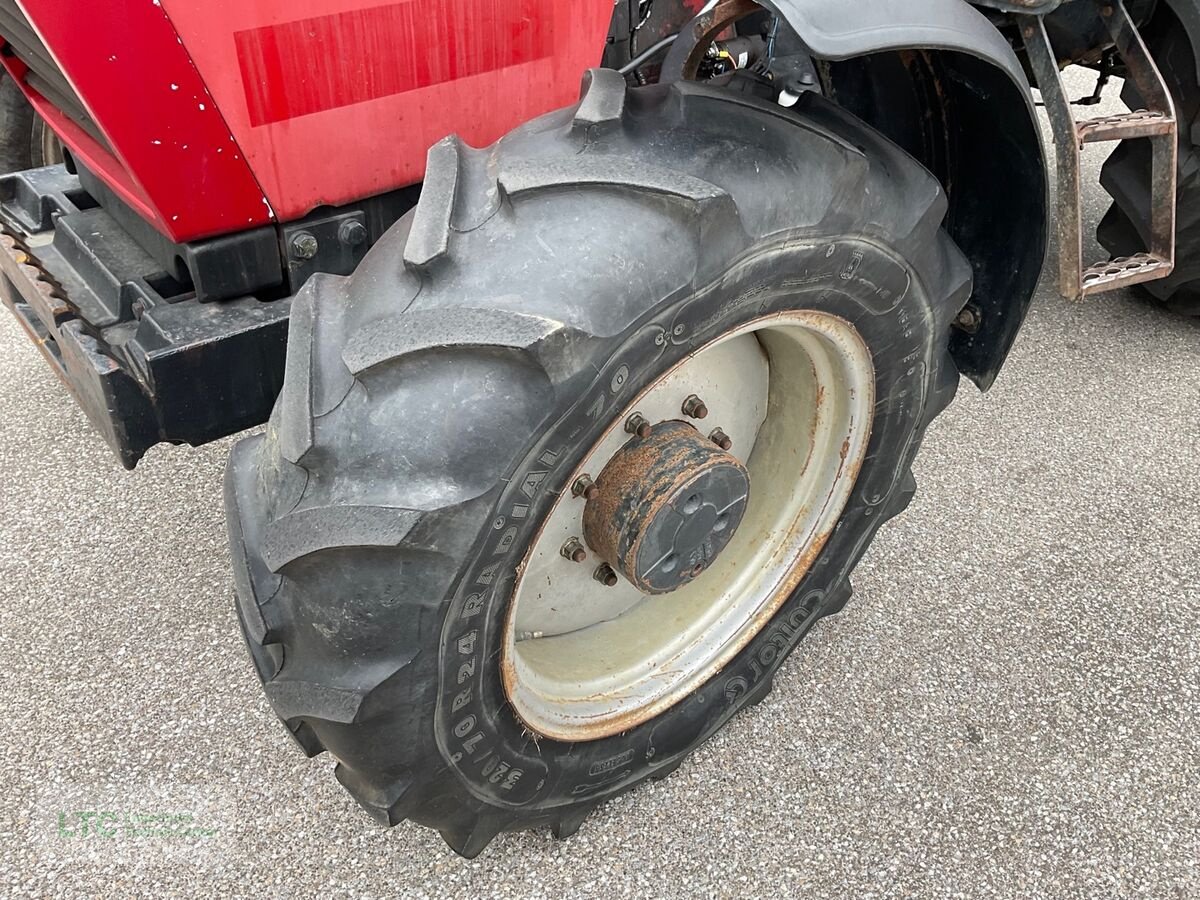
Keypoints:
pixel 587 445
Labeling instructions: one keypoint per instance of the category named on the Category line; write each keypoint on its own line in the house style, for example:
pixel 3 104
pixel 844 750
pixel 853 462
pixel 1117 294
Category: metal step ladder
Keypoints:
pixel 1157 123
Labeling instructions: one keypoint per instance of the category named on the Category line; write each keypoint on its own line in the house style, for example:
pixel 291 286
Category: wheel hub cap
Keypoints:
pixel 666 507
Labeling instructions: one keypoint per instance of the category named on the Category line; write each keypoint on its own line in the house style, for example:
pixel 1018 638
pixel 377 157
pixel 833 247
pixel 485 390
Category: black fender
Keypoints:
pixel 835 29
pixel 939 78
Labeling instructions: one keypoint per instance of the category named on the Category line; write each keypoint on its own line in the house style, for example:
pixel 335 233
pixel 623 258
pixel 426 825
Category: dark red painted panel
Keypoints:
pixel 299 68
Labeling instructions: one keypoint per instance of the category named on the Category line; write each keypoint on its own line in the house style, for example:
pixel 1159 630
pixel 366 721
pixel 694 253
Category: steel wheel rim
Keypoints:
pixel 795 392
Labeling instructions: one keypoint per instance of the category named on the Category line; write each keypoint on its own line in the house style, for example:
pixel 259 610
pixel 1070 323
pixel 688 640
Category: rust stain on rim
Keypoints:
pixel 612 723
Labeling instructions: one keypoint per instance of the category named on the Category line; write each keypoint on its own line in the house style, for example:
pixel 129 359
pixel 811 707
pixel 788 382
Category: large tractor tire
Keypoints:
pixel 585 447
pixel 1125 230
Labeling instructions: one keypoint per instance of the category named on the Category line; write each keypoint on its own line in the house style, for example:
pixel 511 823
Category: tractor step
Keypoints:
pixel 1125 271
pixel 1157 123
pixel 1142 123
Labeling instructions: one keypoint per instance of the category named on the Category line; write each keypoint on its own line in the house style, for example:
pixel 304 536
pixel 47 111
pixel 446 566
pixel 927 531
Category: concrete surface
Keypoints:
pixel 1008 709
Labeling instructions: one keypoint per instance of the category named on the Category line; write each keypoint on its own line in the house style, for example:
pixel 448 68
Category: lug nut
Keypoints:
pixel 721 439
pixel 605 575
pixel 694 408
pixel 639 425
pixel 584 487
pixel 574 551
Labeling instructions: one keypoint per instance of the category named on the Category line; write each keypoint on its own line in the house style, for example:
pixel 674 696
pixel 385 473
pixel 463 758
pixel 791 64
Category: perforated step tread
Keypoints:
pixel 1124 271
pixel 1140 123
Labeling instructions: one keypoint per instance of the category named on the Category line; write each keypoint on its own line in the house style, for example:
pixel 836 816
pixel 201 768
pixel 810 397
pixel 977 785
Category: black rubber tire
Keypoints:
pixel 22 144
pixel 436 401
pixel 1125 229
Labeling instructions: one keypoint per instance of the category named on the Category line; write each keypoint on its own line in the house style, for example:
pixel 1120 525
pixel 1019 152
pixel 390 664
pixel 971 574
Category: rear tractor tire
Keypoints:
pixel 587 445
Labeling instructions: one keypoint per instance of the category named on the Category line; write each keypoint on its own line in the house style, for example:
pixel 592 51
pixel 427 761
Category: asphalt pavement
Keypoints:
pixel 1009 708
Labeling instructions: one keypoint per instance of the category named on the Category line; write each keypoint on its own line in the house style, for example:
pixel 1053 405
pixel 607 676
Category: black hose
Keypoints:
pixel 646 55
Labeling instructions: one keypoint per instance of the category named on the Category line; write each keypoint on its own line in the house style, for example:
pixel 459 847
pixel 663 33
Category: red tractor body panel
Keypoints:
pixel 223 115
pixel 169 153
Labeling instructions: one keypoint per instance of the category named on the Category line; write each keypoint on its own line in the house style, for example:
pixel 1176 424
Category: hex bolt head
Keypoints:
pixel 352 233
pixel 574 550
pixel 694 408
pixel 584 487
pixel 605 575
pixel 304 245
pixel 968 320
pixel 639 425
pixel 721 439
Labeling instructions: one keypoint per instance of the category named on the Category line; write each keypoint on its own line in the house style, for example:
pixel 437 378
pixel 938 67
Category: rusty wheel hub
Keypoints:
pixel 665 507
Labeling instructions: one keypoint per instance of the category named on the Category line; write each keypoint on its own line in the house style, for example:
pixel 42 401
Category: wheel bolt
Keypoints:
pixel 574 551
pixel 584 487
pixel 639 425
pixel 721 439
pixel 968 320
pixel 694 408
pixel 605 575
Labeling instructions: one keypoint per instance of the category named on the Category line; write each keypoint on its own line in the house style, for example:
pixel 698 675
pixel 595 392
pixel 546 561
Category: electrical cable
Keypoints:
pixel 646 55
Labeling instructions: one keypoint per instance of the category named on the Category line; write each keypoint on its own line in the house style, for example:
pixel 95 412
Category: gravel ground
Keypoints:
pixel 1008 708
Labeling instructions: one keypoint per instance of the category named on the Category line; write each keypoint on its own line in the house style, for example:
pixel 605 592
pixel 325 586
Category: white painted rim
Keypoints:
pixel 796 393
